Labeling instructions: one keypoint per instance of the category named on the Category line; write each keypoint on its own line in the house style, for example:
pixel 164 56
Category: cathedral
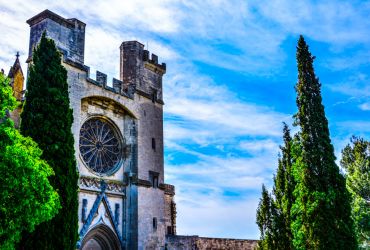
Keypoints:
pixel 124 202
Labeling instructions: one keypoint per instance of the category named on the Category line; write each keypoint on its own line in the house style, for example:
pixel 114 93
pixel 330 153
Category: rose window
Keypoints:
pixel 100 146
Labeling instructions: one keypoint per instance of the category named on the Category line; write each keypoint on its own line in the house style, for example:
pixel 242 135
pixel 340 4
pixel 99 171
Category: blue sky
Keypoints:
pixel 229 85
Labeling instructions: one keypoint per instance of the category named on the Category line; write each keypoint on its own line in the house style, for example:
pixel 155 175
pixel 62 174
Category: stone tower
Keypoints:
pixel 118 131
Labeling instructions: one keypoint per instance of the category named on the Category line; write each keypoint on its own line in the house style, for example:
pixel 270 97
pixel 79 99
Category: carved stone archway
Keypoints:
pixel 100 237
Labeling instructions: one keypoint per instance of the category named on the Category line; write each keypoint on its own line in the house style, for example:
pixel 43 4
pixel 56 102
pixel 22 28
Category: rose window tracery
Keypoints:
pixel 100 145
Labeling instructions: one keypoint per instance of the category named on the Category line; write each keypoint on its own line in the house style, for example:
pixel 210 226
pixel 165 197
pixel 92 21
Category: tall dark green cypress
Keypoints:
pixel 47 118
pixel 264 220
pixel 283 192
pixel 322 212
pixel 273 213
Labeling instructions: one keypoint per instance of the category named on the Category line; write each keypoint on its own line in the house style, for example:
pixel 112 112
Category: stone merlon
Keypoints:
pixel 143 55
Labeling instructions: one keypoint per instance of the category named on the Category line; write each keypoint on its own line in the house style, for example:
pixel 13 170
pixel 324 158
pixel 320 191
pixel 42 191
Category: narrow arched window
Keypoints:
pixel 154 223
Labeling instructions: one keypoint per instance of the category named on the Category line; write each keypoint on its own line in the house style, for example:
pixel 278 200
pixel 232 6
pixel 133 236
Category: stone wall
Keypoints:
pixel 68 34
pixel 178 242
pixel 131 206
pixel 139 70
pixel 170 209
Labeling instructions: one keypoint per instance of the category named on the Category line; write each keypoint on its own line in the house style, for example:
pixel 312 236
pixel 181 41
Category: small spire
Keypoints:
pixel 17 55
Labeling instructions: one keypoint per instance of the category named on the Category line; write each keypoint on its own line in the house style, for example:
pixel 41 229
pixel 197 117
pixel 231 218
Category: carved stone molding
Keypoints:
pixel 101 197
pixel 90 183
pixel 94 184
pixel 116 187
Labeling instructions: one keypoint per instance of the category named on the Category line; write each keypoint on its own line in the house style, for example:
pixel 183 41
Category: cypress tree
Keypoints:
pixel 273 214
pixel 321 211
pixel 47 118
pixel 264 220
pixel 283 192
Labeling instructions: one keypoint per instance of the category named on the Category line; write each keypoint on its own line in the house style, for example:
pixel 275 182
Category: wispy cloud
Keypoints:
pixel 358 126
pixel 365 106
pixel 211 198
pixel 220 146
pixel 259 145
pixel 199 110
pixel 213 214
pixel 356 85
pixel 337 23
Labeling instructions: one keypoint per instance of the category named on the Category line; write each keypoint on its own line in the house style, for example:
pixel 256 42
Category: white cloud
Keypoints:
pixel 212 216
pixel 238 118
pixel 217 173
pixel 14 38
pixel 338 23
pixel 356 86
pixel 204 204
pixel 242 36
pixel 201 111
pixel 259 145
pixel 348 61
pixel 158 16
pixel 221 172
pixel 365 106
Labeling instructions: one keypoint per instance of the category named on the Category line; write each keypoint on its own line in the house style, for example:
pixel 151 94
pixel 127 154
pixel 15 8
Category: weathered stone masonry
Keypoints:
pixel 203 243
pixel 123 208
pixel 124 202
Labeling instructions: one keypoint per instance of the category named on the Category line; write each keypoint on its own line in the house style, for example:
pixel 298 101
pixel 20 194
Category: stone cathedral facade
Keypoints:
pixel 124 202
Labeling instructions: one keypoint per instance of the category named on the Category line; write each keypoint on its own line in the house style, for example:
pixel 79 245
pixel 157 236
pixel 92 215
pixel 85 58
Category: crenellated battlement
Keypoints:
pixel 154 61
pixel 136 49
pixel 123 201
pixel 140 71
pixel 101 81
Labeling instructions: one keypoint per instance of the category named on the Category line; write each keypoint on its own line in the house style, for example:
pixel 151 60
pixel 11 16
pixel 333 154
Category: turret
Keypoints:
pixel 17 79
pixel 17 83
pixel 68 34
pixel 139 70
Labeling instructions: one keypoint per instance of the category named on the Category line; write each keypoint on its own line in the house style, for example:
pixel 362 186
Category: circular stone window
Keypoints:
pixel 100 146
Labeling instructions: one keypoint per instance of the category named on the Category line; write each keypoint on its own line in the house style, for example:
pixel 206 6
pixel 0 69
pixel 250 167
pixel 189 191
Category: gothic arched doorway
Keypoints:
pixel 100 238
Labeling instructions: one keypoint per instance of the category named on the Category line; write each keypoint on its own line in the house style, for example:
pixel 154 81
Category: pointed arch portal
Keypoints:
pixel 101 238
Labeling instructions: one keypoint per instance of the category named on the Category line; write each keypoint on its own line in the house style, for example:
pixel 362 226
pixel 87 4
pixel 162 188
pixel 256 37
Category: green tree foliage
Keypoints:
pixel 356 161
pixel 7 100
pixel 321 211
pixel 273 214
pixel 264 220
pixel 26 196
pixel 47 118
pixel 283 191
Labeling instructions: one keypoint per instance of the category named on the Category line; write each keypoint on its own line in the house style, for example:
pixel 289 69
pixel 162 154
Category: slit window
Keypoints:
pixel 155 223
pixel 84 210
pixel 153 144
pixel 116 214
pixel 154 95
